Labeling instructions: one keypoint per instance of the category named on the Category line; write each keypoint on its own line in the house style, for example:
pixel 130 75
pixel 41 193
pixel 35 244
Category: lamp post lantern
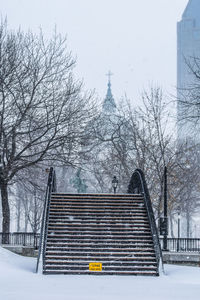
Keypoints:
pixel 114 184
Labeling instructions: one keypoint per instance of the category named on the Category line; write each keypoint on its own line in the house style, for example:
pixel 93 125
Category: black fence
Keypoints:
pixel 32 240
pixel 182 245
pixel 21 239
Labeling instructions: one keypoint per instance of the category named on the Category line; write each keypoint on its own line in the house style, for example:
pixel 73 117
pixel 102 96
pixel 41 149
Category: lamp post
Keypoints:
pixel 178 242
pixel 165 212
pixel 114 184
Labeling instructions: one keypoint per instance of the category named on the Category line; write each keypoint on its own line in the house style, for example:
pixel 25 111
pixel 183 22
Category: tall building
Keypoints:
pixel 188 48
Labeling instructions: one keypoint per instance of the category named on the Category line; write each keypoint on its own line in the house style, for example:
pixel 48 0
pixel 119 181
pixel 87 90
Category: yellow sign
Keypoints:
pixel 95 267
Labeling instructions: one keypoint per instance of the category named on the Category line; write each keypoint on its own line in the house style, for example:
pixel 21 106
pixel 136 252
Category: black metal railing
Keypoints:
pixel 182 244
pixel 31 239
pixel 20 239
pixel 138 185
pixel 51 187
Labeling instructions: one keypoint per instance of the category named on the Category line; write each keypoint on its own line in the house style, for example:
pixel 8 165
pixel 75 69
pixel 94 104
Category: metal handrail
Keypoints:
pixel 138 185
pixel 51 187
pixel 183 244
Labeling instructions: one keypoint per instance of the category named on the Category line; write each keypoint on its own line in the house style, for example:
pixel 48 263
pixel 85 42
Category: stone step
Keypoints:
pixel 129 200
pixel 60 227
pixel 98 236
pixel 104 268
pixel 99 250
pixel 98 225
pixel 114 196
pixel 103 210
pixel 105 213
pixel 96 202
pixel 94 225
pixel 113 203
pixel 110 259
pixel 98 219
pixel 110 273
pixel 82 244
pixel 78 239
pixel 144 262
pixel 109 243
pixel 95 231
pixel 135 252
pixel 134 208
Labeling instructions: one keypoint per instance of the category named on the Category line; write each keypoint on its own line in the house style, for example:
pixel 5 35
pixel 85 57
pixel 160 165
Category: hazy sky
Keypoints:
pixel 135 39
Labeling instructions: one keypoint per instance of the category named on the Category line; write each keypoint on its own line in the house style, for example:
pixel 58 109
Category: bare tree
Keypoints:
pixel 136 138
pixel 145 138
pixel 185 179
pixel 43 110
pixel 30 189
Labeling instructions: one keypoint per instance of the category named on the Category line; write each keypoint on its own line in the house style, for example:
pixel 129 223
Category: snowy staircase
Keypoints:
pixel 99 234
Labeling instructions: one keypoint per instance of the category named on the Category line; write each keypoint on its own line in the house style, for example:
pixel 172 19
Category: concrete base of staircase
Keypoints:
pixel 187 258
pixel 22 250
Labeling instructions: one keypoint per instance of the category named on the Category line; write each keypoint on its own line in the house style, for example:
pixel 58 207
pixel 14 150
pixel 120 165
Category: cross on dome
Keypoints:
pixel 109 74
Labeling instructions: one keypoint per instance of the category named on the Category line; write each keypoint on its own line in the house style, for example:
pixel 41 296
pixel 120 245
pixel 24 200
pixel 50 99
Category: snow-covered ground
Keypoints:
pixel 19 282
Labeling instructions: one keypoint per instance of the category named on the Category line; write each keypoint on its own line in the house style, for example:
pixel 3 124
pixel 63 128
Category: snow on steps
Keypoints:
pixel 99 228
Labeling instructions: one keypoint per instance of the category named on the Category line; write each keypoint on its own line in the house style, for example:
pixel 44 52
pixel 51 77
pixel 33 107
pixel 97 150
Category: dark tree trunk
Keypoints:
pixel 5 212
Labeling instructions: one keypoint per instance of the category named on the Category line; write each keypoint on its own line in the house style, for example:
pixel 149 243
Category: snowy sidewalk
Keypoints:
pixel 19 282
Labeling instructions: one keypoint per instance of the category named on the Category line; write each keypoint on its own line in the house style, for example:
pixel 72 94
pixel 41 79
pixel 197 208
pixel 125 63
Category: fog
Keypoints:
pixel 134 39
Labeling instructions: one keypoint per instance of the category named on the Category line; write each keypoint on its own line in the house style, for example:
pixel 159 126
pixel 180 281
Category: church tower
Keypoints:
pixel 188 47
pixel 109 106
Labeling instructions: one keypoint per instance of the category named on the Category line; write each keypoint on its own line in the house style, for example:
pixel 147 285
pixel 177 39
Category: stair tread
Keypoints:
pixel 97 230
pixel 104 211
pixel 136 273
pixel 107 237
pixel 105 268
pixel 85 263
pixel 94 203
pixel 102 259
pixel 100 229
pixel 99 245
pixel 97 208
pixel 89 249
pixel 70 253
pixel 94 243
pixel 97 195
pixel 95 225
pixel 97 220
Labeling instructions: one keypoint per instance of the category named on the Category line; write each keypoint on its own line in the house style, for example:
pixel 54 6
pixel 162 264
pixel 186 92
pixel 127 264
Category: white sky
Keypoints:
pixel 135 39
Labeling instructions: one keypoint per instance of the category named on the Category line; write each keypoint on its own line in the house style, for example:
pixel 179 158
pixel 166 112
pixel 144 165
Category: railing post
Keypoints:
pixel 24 241
pixel 34 240
pixel 178 241
pixel 165 212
